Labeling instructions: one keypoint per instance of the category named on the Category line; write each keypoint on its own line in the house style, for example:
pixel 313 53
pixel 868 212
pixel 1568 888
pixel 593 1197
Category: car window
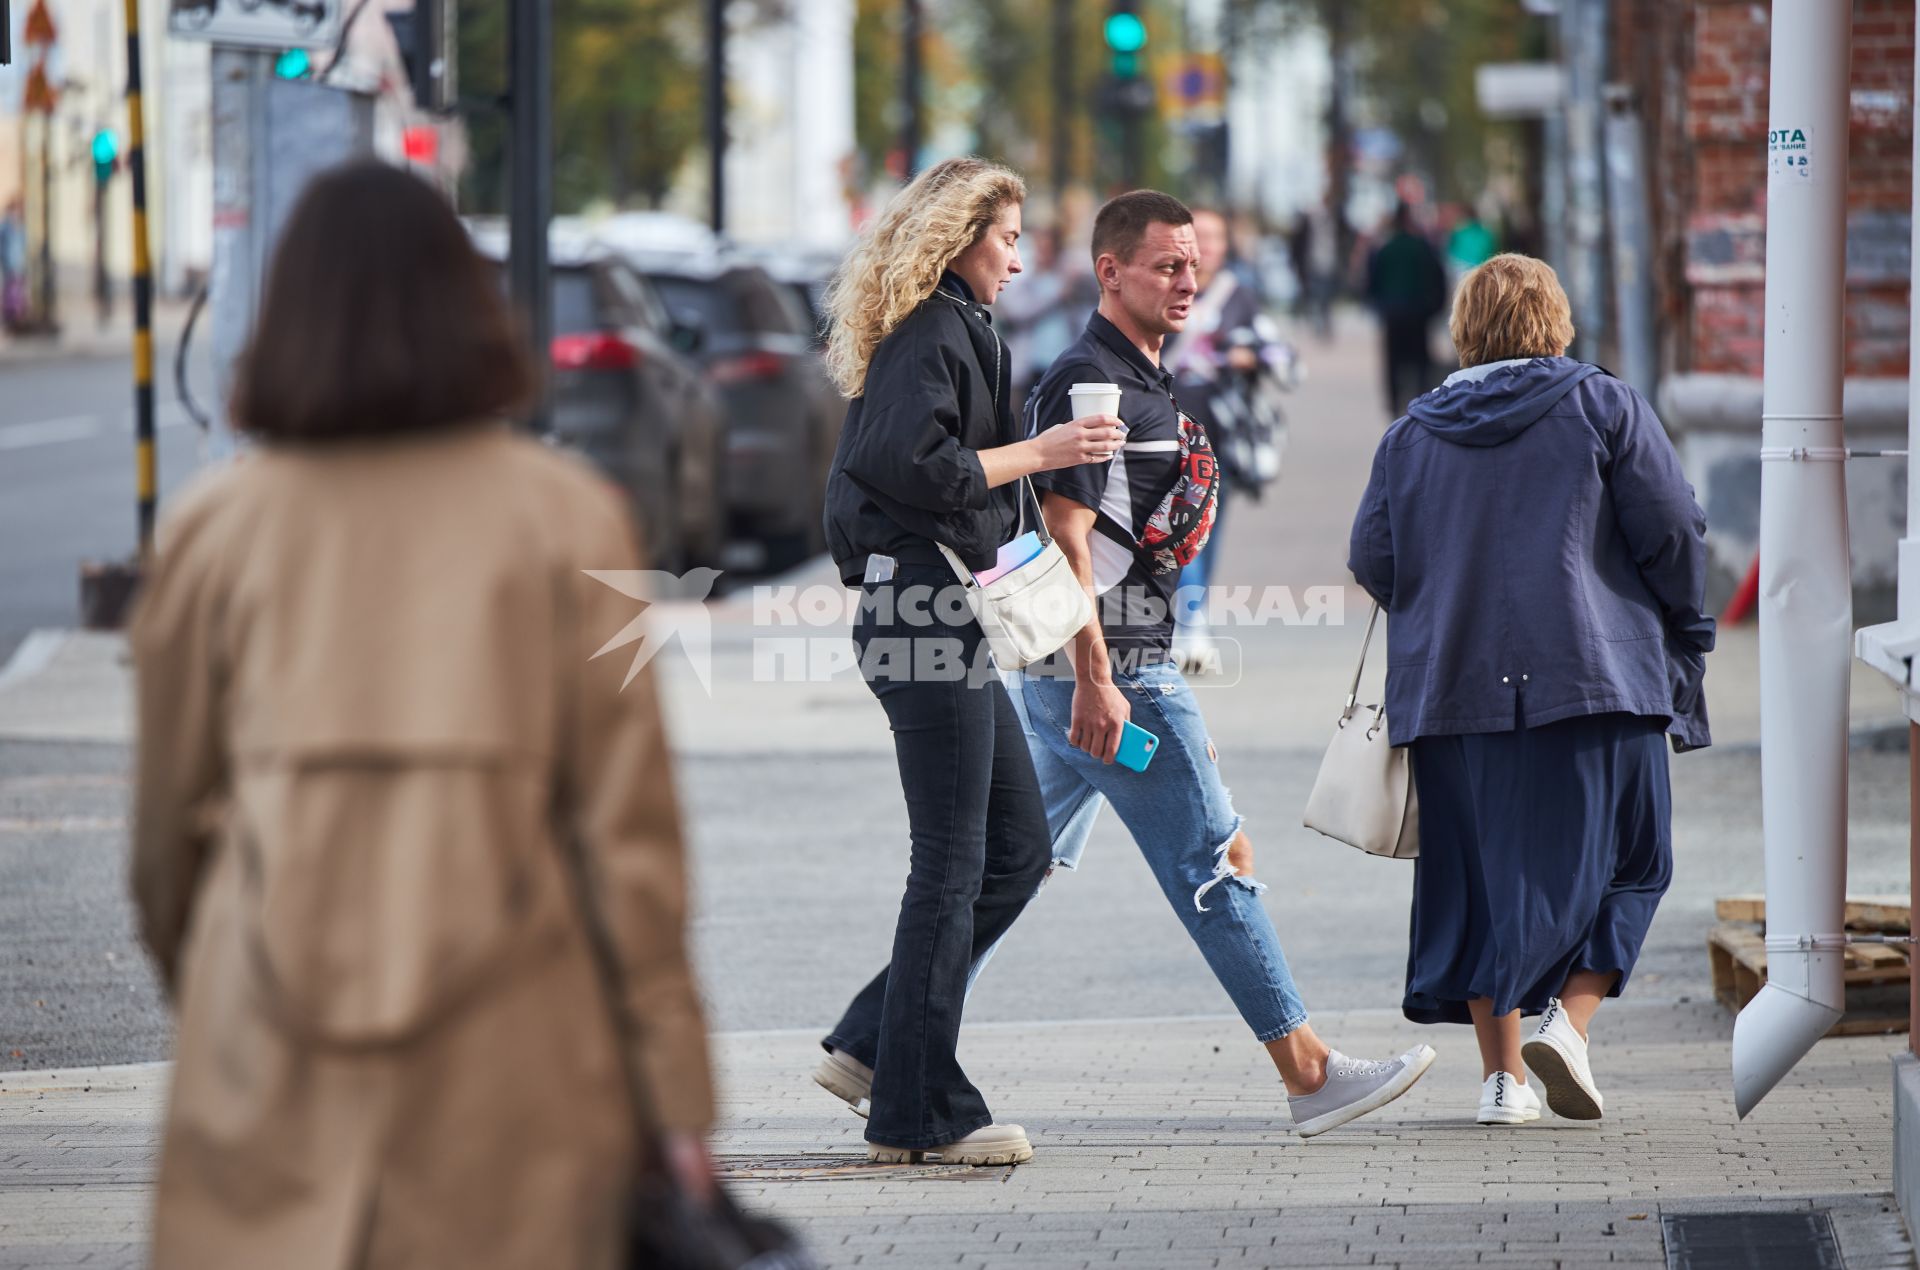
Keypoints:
pixel 636 299
pixel 700 302
pixel 768 307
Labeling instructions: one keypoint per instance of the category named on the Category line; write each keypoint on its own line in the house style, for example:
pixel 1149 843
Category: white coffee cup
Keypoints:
pixel 1094 399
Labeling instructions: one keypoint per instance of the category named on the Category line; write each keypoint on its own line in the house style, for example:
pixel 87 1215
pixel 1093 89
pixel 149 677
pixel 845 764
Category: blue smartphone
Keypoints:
pixel 1136 747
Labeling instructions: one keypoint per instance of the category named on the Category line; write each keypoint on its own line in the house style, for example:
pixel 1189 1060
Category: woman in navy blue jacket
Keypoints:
pixel 1543 562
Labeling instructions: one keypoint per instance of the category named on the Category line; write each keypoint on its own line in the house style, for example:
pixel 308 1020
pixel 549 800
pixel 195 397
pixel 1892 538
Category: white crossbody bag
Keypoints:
pixel 1032 611
pixel 1364 794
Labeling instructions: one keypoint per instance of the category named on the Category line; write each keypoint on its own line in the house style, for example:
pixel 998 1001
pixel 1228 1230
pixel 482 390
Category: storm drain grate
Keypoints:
pixel 1751 1241
pixel 829 1168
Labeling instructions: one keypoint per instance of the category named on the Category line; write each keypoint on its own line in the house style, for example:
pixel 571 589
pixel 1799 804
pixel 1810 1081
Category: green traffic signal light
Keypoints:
pixel 1126 33
pixel 106 151
pixel 294 64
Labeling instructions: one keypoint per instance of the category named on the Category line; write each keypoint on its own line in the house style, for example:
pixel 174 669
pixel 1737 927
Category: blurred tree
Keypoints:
pixel 626 98
pixel 990 71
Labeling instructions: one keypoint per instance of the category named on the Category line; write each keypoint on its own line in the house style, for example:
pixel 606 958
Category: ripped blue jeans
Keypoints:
pixel 1183 821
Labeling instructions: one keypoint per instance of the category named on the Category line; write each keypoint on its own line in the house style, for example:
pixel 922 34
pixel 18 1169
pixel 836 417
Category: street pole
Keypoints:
pixel 1631 228
pixel 1063 99
pixel 910 72
pixel 1339 132
pixel 49 315
pixel 717 113
pixel 1583 44
pixel 530 161
pixel 142 282
pixel 101 287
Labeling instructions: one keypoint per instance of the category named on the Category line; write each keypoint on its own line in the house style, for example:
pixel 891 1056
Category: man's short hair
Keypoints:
pixel 1511 306
pixel 1122 223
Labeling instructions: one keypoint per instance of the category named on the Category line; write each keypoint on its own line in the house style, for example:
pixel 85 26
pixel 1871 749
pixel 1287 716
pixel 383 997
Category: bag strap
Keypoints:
pixel 1353 694
pixel 964 574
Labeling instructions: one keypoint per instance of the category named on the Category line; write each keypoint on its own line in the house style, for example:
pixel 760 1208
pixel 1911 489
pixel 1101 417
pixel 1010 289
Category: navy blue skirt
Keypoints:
pixel 1542 851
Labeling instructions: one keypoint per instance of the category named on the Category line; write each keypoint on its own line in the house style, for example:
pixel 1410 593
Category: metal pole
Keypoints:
pixel 531 165
pixel 102 289
pixel 1063 101
pixel 717 114
pixel 1632 242
pixel 910 74
pixel 1583 26
pixel 1909 558
pixel 49 314
pixel 1806 585
pixel 1338 23
pixel 142 286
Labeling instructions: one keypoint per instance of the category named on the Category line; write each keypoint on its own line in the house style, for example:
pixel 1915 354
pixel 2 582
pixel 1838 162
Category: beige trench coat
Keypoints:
pixel 370 719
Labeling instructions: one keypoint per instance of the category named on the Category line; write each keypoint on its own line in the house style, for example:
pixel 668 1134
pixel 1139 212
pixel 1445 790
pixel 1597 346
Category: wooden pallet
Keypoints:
pixel 1876 978
pixel 1883 914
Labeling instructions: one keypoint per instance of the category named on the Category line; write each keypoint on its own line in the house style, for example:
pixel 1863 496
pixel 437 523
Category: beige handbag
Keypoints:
pixel 1030 612
pixel 1364 794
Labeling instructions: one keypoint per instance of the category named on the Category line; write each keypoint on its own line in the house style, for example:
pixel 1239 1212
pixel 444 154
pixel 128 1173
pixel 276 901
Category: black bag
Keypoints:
pixel 668 1231
pixel 666 1228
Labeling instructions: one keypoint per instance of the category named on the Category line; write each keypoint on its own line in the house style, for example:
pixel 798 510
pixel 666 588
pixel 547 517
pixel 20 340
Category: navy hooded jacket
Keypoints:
pixel 1528 530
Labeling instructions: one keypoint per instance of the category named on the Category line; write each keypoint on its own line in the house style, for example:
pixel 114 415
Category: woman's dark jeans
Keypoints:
pixel 979 852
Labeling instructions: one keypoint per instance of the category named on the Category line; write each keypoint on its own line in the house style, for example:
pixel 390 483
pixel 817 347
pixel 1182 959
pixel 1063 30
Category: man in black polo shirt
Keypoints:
pixel 1177 810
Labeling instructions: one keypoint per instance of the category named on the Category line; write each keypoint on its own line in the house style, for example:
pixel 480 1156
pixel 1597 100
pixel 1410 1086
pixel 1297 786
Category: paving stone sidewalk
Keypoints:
pixel 1164 1143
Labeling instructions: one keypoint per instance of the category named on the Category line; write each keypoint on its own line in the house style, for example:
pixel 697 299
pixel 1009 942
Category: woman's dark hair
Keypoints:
pixel 380 318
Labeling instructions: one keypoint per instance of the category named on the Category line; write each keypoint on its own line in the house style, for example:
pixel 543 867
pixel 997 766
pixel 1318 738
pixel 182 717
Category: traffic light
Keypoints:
pixel 106 153
pixel 1126 36
pixel 1129 90
pixel 293 64
pixel 6 34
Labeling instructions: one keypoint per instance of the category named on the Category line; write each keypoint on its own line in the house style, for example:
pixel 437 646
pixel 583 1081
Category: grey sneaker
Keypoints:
pixel 1355 1086
pixel 847 1079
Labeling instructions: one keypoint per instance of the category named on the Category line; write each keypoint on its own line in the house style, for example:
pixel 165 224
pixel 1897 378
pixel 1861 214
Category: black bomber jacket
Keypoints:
pixel 906 472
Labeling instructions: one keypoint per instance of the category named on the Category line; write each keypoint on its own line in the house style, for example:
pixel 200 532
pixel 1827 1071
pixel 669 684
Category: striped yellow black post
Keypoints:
pixel 147 473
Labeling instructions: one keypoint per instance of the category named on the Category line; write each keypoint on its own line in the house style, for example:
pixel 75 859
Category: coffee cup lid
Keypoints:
pixel 1093 388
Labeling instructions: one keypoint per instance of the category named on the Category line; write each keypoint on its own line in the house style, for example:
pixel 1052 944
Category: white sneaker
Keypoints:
pixel 1558 1056
pixel 995 1144
pixel 1355 1086
pixel 847 1079
pixel 1505 1100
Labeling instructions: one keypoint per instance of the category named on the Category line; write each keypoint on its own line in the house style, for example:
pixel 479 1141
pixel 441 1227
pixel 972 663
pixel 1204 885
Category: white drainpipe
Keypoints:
pixel 1806 597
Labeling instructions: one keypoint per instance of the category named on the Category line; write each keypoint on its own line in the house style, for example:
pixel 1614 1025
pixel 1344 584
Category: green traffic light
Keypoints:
pixel 106 148
pixel 294 64
pixel 1126 33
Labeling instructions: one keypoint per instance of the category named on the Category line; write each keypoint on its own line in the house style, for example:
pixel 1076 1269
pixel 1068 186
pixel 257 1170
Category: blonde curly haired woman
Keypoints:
pixel 930 455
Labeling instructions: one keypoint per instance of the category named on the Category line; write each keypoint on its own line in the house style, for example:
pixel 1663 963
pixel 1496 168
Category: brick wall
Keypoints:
pixel 1701 70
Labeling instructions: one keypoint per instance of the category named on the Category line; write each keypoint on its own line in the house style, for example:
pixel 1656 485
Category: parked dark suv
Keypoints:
pixel 630 396
pixel 783 415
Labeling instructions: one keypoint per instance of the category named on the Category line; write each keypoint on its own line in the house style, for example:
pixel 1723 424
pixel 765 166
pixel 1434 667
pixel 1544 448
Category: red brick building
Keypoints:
pixel 1699 70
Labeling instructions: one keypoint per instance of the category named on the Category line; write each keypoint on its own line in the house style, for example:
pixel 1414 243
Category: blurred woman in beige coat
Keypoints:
pixel 372 726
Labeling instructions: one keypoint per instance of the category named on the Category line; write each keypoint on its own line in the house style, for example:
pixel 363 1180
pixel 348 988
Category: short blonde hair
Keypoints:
pixel 1511 306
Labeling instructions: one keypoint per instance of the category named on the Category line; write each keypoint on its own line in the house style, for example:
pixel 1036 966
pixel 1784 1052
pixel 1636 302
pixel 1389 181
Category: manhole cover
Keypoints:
pixel 1751 1241
pixel 833 1168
